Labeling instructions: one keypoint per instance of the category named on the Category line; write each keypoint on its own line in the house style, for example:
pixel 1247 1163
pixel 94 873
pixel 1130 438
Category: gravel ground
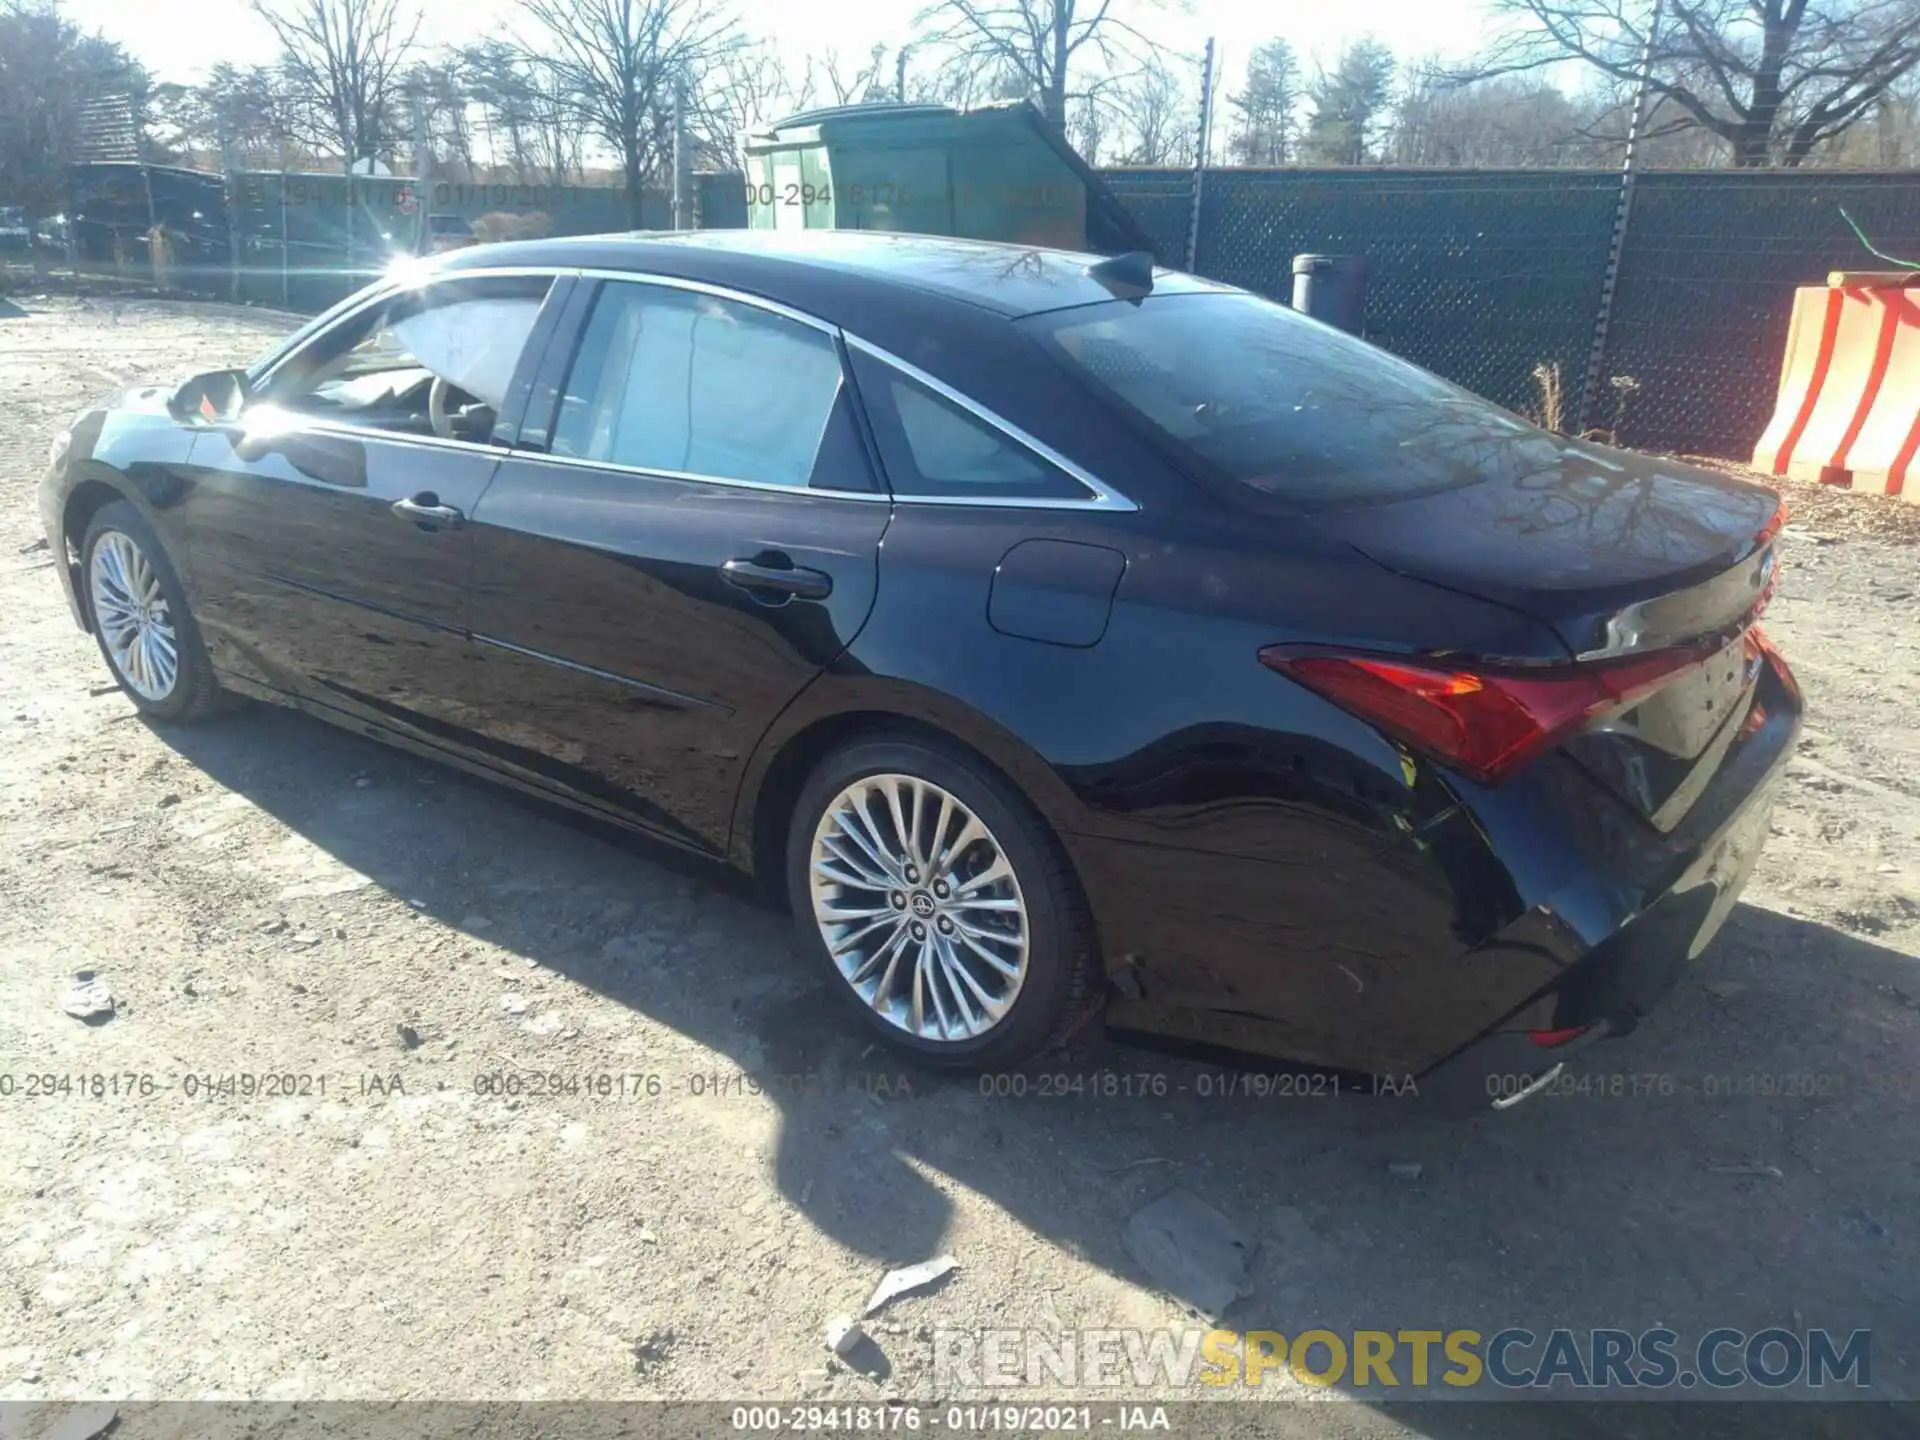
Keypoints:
pixel 268 895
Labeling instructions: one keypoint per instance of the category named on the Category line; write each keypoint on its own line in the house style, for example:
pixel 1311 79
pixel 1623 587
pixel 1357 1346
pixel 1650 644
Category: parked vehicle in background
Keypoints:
pixel 1059 636
pixel 449 232
pixel 54 234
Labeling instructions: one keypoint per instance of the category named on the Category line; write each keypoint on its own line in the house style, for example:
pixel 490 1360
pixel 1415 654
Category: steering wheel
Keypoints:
pixel 437 414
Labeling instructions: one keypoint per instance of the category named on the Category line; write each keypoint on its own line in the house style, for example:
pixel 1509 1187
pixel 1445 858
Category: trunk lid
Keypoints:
pixel 1616 552
pixel 1621 555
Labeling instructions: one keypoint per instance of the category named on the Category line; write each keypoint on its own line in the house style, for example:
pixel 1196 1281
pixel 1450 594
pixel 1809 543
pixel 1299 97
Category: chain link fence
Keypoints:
pixel 1483 275
pixel 304 241
pixel 1479 275
pixel 308 240
pixel 1706 289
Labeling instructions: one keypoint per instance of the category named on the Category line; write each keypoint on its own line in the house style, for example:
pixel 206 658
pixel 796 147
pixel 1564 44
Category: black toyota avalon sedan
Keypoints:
pixel 1058 637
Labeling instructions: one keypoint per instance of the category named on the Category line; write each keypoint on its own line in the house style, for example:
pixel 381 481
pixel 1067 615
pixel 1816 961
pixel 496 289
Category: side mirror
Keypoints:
pixel 216 396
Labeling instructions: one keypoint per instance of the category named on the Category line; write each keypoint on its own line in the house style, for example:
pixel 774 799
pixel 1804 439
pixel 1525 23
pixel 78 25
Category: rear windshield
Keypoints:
pixel 1308 414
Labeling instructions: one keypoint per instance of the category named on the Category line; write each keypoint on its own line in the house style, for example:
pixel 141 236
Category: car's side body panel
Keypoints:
pixel 313 576
pixel 126 447
pixel 615 662
pixel 1245 846
pixel 613 657
pixel 311 583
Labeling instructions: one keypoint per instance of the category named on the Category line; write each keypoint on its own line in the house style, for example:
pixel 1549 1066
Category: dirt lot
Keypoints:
pixel 265 894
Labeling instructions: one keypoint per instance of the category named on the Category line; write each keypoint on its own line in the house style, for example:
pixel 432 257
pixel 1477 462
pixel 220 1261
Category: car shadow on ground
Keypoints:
pixel 1745 1159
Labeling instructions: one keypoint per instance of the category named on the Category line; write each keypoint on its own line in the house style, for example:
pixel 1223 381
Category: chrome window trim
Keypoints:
pixel 691 477
pixel 721 292
pixel 502 452
pixel 401 437
pixel 380 296
pixel 1101 497
pixel 392 287
pixel 1104 496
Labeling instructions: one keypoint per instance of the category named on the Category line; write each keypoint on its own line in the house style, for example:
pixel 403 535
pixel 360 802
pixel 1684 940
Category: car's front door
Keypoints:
pixel 686 538
pixel 328 526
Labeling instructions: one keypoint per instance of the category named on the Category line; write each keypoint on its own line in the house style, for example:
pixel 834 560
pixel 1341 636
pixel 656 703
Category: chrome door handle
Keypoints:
pixel 426 511
pixel 785 580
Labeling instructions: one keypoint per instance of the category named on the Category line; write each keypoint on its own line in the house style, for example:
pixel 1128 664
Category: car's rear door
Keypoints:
pixel 328 526
pixel 688 540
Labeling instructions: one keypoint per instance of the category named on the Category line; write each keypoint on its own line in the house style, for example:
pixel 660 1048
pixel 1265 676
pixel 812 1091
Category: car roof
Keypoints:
pixel 823 271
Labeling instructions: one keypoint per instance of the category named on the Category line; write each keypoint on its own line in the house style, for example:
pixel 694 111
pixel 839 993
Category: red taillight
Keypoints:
pixel 1759 645
pixel 1548 1039
pixel 1485 723
pixel 1772 527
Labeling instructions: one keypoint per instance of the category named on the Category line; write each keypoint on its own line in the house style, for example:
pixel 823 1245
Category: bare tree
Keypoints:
pixel 617 65
pixel 494 75
pixel 1510 121
pixel 1889 139
pixel 343 61
pixel 1157 116
pixel 440 88
pixel 1088 127
pixel 1037 43
pixel 523 103
pixel 964 86
pixel 1669 138
pixel 558 142
pixel 862 84
pixel 1774 79
pixel 747 86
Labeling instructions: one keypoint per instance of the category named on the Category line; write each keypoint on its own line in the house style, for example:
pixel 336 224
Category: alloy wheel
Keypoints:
pixel 131 610
pixel 920 908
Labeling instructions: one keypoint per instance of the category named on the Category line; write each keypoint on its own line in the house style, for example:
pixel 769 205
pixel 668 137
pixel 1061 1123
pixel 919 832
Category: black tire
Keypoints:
pixel 1060 990
pixel 195 693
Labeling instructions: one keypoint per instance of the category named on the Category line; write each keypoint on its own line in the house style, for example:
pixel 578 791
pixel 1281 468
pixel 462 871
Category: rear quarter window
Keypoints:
pixel 1253 393
pixel 933 448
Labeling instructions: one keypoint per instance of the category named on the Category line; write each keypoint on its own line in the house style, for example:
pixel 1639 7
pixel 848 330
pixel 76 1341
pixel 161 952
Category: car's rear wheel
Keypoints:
pixel 941 905
pixel 141 620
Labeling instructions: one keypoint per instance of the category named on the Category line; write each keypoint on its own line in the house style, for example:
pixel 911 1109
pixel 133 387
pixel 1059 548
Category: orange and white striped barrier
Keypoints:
pixel 1848 411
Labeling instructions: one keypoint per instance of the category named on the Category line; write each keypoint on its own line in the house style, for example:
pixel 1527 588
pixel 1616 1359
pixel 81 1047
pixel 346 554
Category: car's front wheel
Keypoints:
pixel 940 903
pixel 141 619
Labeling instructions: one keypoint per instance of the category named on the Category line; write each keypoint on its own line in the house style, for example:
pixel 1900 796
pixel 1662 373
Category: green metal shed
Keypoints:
pixel 998 172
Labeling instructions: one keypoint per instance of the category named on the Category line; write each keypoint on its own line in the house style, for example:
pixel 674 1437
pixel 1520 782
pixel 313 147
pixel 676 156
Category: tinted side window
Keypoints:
pixel 380 368
pixel 694 384
pixel 935 448
pixel 1258 395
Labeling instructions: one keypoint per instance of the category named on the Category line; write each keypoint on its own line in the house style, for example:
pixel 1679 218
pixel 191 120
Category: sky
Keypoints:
pixel 180 39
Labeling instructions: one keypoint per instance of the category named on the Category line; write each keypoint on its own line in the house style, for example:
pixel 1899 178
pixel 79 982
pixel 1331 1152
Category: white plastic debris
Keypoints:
pixel 896 1283
pixel 844 1335
pixel 88 998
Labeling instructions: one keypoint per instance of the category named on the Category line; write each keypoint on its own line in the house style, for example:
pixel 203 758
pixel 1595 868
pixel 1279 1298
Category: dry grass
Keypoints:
pixel 1551 411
